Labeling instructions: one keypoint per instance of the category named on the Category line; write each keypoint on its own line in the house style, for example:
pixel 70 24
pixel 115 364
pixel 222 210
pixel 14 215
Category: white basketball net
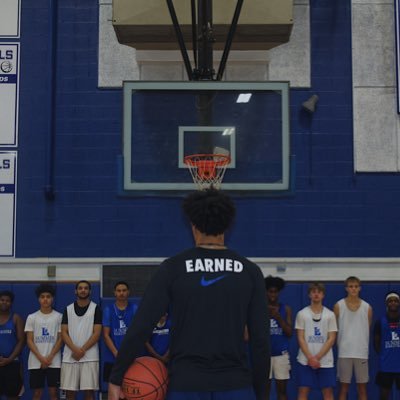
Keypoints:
pixel 207 170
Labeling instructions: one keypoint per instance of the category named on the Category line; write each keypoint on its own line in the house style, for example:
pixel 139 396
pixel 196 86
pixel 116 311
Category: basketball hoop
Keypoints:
pixel 207 170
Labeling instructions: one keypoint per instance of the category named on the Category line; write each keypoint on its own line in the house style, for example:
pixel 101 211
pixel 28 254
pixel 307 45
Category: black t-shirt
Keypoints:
pixel 211 294
pixel 80 311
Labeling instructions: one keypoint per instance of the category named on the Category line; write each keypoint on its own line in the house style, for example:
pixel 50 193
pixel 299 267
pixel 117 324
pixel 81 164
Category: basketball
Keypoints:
pixel 146 379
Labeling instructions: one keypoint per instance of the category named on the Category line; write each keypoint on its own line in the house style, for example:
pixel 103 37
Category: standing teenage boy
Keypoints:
pixel 387 345
pixel 81 330
pixel 280 316
pixel 353 315
pixel 316 333
pixel 43 333
pixel 12 339
pixel 158 345
pixel 116 319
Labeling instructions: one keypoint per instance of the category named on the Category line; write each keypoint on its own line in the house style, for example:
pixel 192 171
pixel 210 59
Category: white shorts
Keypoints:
pixel 280 367
pixel 80 376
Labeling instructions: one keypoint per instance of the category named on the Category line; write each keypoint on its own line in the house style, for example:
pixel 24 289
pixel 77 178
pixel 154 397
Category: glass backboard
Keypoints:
pixel 166 121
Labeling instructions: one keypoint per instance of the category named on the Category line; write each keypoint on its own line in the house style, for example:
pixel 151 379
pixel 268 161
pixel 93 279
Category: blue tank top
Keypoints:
pixel 279 341
pixel 160 338
pixel 8 337
pixel 118 321
pixel 390 346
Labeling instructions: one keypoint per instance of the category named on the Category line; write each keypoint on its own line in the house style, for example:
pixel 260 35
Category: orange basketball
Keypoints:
pixel 146 379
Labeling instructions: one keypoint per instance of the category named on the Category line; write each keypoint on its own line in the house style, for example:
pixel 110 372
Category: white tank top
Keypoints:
pixel 353 335
pixel 80 329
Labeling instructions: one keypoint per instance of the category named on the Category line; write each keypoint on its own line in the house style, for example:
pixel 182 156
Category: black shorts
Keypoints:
pixel 107 371
pixel 11 379
pixel 386 379
pixel 38 378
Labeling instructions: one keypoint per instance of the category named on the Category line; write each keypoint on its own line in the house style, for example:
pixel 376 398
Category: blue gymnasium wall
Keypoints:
pixel 295 295
pixel 333 212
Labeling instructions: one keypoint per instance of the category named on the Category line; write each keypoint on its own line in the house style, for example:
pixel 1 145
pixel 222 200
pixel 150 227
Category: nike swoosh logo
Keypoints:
pixel 205 282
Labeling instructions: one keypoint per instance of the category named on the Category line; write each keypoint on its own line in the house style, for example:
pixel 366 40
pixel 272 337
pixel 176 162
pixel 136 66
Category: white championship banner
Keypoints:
pixel 8 173
pixel 10 13
pixel 9 93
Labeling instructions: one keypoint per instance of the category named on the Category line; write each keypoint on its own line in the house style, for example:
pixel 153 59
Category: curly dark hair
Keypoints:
pixel 45 288
pixel 274 282
pixel 7 293
pixel 210 211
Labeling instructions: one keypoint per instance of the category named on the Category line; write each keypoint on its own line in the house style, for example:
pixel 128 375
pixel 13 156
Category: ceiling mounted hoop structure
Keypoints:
pixel 207 170
pixel 203 39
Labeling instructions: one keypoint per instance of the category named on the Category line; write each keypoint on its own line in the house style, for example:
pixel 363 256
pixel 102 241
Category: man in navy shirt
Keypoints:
pixel 212 293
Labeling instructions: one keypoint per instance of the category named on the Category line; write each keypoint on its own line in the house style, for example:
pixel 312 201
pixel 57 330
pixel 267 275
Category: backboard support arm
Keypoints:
pixel 229 39
pixel 203 40
pixel 194 32
pixel 180 39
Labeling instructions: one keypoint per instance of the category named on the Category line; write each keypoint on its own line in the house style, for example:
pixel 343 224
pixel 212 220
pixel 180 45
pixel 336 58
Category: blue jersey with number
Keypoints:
pixel 8 337
pixel 279 341
pixel 389 357
pixel 118 321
